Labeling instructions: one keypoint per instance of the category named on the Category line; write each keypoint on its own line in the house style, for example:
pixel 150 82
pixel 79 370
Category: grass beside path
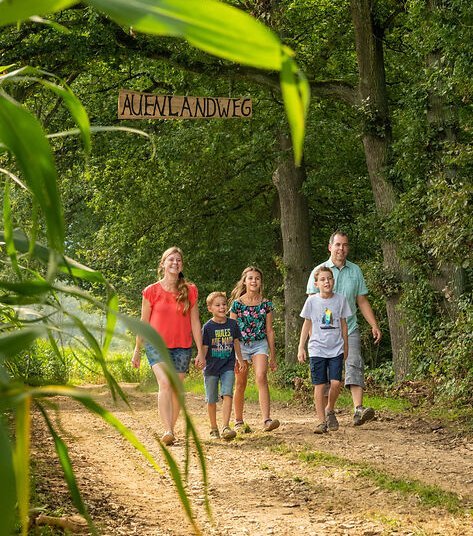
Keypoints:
pixel 428 495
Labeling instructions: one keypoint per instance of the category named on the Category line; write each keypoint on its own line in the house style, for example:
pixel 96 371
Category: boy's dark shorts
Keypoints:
pixel 324 369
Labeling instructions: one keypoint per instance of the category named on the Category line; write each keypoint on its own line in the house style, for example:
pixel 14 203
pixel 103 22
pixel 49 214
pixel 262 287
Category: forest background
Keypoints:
pixel 387 159
pixel 228 193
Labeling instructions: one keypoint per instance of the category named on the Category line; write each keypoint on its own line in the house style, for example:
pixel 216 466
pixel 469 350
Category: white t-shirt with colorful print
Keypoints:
pixel 325 313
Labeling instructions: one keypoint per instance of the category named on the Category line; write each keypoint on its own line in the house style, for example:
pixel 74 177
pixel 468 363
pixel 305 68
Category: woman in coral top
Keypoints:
pixel 170 307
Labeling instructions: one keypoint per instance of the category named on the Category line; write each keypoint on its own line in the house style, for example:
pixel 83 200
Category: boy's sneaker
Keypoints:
pixel 331 421
pixel 241 427
pixel 270 424
pixel 214 433
pixel 362 415
pixel 228 434
pixel 321 428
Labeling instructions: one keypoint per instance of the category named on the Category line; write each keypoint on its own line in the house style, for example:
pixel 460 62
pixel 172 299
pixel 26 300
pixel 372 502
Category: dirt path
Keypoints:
pixel 259 485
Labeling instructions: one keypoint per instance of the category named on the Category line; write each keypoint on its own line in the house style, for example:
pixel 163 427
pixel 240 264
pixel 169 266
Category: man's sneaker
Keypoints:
pixel 362 415
pixel 228 434
pixel 168 438
pixel 321 428
pixel 241 427
pixel 270 424
pixel 214 433
pixel 331 421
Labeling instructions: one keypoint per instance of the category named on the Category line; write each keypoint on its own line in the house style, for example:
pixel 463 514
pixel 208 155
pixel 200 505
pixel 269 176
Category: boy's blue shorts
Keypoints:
pixel 324 369
pixel 226 380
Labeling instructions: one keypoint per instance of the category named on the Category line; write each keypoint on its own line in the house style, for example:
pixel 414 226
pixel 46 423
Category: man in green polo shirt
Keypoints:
pixel 349 282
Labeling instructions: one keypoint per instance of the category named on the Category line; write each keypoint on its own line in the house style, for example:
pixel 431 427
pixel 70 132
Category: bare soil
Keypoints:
pixel 258 483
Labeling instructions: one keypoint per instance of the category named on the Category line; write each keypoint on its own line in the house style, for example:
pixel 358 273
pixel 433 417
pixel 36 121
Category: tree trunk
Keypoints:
pixel 376 142
pixel 295 233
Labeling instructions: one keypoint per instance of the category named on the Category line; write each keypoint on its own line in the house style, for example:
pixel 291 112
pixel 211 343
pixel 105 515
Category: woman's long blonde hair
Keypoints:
pixel 182 284
pixel 240 287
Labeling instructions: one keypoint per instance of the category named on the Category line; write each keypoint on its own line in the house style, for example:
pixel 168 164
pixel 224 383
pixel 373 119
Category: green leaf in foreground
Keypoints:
pixel 296 94
pixel 16 341
pixel 212 26
pixel 65 264
pixel 7 478
pixel 66 464
pixel 22 459
pixel 12 11
pixel 22 134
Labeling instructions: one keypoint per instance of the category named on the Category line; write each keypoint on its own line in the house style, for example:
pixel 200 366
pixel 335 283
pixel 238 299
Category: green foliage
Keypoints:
pixel 38 276
pixel 286 373
pixel 39 365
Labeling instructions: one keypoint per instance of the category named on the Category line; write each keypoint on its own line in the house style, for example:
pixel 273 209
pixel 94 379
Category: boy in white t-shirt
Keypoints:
pixel 325 325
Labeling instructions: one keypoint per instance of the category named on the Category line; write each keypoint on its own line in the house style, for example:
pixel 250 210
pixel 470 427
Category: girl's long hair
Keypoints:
pixel 182 284
pixel 240 287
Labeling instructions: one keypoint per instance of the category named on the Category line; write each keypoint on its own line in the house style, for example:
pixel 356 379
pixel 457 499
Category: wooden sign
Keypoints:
pixel 135 105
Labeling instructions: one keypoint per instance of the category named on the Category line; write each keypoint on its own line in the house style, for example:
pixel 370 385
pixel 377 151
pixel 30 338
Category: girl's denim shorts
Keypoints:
pixel 180 357
pixel 248 350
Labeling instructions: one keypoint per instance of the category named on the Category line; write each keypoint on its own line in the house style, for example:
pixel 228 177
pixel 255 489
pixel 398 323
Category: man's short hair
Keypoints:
pixel 333 235
pixel 322 269
pixel 213 296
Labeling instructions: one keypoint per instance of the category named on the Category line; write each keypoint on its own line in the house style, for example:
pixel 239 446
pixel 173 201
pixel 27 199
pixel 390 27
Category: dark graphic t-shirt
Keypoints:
pixel 220 341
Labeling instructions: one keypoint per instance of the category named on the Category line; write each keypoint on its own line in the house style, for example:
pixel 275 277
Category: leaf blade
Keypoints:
pixel 21 132
pixel 215 27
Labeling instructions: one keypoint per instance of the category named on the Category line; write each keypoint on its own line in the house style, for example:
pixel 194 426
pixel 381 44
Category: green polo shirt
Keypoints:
pixel 349 282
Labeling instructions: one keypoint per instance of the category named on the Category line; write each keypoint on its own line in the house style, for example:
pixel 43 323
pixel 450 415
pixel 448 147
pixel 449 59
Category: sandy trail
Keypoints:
pixel 258 484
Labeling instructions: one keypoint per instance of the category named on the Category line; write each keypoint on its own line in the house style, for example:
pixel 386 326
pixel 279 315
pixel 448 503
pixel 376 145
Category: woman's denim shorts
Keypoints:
pixel 180 357
pixel 248 350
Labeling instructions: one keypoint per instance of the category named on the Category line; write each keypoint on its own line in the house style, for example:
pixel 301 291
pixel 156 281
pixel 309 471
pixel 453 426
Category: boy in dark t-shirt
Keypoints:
pixel 221 343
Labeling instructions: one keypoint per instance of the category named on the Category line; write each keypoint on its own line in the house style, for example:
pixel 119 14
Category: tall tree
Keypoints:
pixel 294 222
pixel 377 139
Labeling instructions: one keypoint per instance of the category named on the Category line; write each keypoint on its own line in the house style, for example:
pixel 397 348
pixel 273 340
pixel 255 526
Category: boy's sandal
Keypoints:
pixel 228 433
pixel 270 424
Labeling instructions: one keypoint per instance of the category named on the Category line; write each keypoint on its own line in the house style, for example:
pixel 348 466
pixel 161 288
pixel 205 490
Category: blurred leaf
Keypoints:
pixel 13 177
pixel 19 340
pixel 73 104
pixel 112 308
pixel 59 27
pixel 27 288
pixel 6 67
pixel 296 95
pixel 99 356
pixel 65 264
pixel 65 461
pixel 12 11
pixel 75 107
pixel 21 132
pixel 214 27
pixel 91 405
pixel 7 478
pixel 8 229
pixel 176 476
pixel 75 131
pixel 201 455
pixel 22 459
